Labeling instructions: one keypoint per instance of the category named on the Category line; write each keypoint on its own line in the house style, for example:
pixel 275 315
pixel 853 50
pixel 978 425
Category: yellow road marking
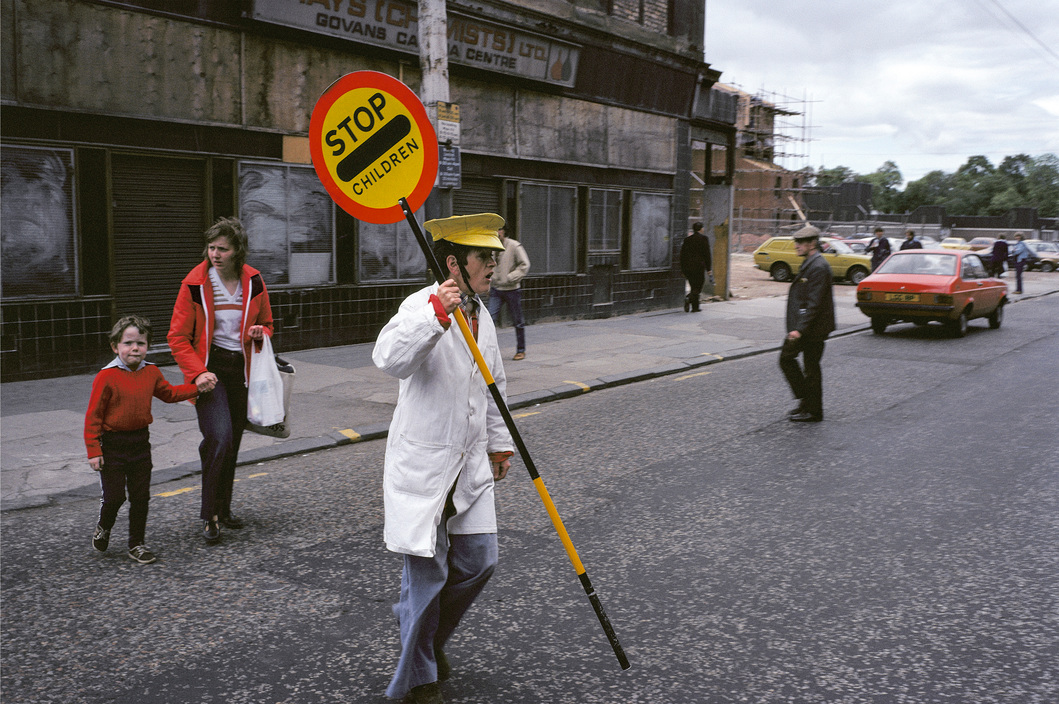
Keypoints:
pixel 255 476
pixel 688 376
pixel 526 415
pixel 711 354
pixel 584 387
pixel 177 491
pixel 351 434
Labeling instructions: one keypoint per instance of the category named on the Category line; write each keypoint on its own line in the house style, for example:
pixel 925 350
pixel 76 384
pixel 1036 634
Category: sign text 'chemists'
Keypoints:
pixel 394 24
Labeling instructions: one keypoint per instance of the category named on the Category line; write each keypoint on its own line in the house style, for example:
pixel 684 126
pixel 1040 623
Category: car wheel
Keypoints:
pixel 996 317
pixel 878 325
pixel 1047 266
pixel 856 274
pixel 959 326
pixel 780 272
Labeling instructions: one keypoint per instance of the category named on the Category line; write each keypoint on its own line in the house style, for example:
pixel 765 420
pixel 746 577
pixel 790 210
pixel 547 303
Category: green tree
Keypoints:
pixel 932 189
pixel 1042 185
pixel 884 181
pixel 833 177
pixel 973 186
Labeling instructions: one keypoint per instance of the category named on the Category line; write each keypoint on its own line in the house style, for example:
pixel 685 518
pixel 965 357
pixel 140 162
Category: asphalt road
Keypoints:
pixel 905 550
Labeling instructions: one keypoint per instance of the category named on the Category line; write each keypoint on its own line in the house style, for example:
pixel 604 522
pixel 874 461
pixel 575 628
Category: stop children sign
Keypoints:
pixel 372 144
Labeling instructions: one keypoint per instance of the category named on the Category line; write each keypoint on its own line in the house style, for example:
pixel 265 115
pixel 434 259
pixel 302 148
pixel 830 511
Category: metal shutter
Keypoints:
pixel 159 211
pixel 478 195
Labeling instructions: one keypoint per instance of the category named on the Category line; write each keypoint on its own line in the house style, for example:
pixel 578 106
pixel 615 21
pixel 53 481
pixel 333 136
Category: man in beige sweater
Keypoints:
pixel 505 286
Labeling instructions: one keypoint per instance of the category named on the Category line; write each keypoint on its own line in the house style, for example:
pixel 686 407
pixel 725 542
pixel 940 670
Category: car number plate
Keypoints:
pixel 903 297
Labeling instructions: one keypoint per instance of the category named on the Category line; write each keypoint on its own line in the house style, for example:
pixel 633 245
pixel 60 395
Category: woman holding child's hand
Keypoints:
pixel 221 309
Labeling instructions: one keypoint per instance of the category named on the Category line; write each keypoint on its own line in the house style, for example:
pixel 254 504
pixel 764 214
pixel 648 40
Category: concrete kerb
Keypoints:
pixel 379 431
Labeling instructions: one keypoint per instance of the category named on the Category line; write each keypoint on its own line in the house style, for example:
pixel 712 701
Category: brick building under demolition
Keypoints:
pixel 129 126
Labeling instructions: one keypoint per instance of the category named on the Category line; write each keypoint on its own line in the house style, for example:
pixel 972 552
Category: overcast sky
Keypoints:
pixel 925 83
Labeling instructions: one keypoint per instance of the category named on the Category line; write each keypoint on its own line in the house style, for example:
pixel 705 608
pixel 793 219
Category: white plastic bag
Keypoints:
pixel 279 430
pixel 264 404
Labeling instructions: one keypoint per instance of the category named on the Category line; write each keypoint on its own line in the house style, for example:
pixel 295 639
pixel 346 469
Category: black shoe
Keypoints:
pixel 142 554
pixel 687 303
pixel 211 531
pixel 232 521
pixel 101 538
pixel 805 417
pixel 795 411
pixel 444 669
pixel 425 694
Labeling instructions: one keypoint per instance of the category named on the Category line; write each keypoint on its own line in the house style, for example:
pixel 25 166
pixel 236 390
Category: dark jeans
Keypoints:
pixel 222 419
pixel 513 299
pixel 126 466
pixel 808 385
pixel 1019 268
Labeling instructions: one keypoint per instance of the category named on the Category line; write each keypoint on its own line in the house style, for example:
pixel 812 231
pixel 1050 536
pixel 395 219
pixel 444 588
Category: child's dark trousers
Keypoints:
pixel 126 467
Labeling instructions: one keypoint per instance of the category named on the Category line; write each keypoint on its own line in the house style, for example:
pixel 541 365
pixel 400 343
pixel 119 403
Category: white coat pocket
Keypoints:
pixel 419 468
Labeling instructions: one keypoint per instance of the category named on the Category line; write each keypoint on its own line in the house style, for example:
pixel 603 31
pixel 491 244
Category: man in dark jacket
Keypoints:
pixel 695 263
pixel 878 248
pixel 810 319
pixel 911 242
pixel 1000 255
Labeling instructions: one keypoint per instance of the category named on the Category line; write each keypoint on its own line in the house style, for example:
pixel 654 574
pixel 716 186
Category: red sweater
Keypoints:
pixel 121 400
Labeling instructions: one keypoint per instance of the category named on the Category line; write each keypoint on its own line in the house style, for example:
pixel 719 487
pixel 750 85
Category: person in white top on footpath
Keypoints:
pixel 447 445
pixel 506 286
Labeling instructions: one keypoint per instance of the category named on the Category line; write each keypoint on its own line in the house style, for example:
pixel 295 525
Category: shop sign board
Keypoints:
pixel 394 24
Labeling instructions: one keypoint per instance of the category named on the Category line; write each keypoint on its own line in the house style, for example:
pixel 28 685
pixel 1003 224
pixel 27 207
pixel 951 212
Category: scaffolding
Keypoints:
pixel 774 133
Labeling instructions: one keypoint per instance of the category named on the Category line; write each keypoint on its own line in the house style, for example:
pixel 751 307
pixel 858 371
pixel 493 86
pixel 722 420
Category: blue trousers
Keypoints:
pixel 435 594
pixel 513 299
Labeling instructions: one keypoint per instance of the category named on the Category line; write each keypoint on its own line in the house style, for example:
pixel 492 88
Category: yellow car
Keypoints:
pixel 777 256
pixel 955 243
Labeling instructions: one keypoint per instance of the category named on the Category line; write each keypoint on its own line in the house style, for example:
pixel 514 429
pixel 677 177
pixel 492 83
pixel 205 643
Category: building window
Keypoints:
pixel 604 220
pixel 547 217
pixel 649 234
pixel 39 249
pixel 390 252
pixel 289 219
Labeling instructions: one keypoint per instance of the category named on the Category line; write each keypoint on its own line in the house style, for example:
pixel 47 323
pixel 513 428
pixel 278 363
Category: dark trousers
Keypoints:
pixel 126 467
pixel 807 385
pixel 513 299
pixel 696 280
pixel 222 419
pixel 1019 268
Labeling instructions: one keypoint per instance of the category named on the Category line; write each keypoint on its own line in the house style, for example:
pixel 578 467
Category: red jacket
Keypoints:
pixel 121 400
pixel 191 329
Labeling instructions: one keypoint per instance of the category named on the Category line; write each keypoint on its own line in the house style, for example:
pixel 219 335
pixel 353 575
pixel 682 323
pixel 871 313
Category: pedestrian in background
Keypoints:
pixel 446 448
pixel 506 286
pixel 810 319
pixel 221 309
pixel 695 264
pixel 911 242
pixel 117 435
pixel 878 248
pixel 1022 255
pixel 999 257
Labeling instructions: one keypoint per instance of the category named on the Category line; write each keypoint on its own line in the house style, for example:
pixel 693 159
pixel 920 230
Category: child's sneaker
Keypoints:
pixel 142 554
pixel 101 538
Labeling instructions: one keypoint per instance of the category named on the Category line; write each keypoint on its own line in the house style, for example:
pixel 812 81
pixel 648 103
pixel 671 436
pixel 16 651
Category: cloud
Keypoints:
pixel 923 84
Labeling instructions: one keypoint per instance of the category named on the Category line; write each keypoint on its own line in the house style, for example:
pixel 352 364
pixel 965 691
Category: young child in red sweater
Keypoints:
pixel 116 433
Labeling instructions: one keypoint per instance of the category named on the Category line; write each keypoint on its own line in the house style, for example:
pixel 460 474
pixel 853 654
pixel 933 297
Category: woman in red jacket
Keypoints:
pixel 222 307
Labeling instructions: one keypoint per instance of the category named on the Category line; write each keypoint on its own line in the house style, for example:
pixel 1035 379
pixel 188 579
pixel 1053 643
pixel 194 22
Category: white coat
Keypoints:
pixel 444 426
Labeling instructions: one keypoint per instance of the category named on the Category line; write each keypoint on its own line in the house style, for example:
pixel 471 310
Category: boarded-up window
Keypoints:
pixel 649 235
pixel 604 220
pixel 37 222
pixel 547 217
pixel 390 252
pixel 289 220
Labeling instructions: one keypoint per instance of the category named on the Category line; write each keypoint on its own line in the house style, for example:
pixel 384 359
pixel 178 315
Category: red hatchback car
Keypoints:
pixel 922 285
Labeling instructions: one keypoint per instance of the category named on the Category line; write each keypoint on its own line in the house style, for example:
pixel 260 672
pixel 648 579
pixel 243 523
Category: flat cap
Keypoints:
pixel 807 233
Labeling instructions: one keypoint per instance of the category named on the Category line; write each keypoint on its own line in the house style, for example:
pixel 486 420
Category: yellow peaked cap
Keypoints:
pixel 469 230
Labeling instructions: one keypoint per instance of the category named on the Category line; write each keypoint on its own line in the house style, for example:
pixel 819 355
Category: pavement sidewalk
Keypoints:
pixel 340 397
